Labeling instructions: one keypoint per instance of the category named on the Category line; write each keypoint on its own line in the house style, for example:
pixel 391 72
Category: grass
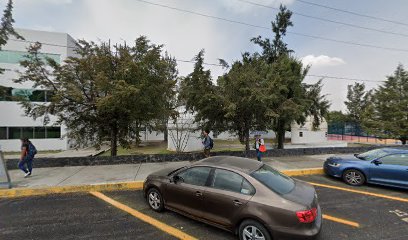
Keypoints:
pixel 144 149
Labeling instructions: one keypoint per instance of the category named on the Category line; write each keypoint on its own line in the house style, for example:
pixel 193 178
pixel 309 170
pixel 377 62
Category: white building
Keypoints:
pixel 183 135
pixel 305 134
pixel 13 123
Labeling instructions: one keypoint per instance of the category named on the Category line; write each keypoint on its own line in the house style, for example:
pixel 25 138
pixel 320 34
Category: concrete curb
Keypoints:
pixel 26 192
pixel 306 171
pixel 121 186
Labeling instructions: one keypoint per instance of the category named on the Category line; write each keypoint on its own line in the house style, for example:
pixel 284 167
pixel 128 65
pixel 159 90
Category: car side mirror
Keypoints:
pixel 376 162
pixel 176 179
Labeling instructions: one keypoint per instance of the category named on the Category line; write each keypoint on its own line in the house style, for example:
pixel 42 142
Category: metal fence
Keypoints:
pixel 353 132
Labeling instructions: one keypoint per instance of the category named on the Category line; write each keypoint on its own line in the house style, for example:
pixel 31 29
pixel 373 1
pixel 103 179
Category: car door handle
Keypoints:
pixel 199 194
pixel 237 203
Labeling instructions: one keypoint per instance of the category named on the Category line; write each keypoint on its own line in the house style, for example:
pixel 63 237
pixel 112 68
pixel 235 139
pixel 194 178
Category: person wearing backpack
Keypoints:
pixel 207 142
pixel 259 146
pixel 28 152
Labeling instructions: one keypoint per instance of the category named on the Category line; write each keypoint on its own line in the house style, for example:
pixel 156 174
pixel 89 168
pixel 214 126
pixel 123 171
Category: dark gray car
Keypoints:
pixel 240 195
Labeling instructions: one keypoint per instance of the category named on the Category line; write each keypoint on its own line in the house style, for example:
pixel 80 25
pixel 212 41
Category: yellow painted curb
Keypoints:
pixel 25 192
pixel 306 171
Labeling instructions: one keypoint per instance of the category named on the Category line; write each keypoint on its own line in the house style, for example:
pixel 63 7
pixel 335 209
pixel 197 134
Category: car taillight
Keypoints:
pixel 307 216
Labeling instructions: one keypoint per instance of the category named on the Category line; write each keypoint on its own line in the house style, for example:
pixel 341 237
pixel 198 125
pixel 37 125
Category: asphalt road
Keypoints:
pixel 84 216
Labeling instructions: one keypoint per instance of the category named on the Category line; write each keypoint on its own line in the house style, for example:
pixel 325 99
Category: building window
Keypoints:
pixel 39 132
pixel 5 93
pixel 18 94
pixel 14 133
pixel 3 133
pixel 300 134
pixel 30 132
pixel 15 57
pixel 27 132
pixel 53 132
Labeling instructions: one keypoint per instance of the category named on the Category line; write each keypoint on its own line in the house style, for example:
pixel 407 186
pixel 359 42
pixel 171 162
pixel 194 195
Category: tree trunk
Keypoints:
pixel 166 134
pixel 114 141
pixel 247 141
pixel 281 134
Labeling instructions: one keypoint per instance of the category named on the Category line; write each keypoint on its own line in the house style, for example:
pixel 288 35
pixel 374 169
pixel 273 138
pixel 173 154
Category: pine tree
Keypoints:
pixel 103 93
pixel 357 100
pixel 387 113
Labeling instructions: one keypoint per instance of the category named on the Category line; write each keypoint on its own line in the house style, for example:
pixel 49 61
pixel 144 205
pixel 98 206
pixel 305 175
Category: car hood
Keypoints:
pixel 345 158
pixel 303 193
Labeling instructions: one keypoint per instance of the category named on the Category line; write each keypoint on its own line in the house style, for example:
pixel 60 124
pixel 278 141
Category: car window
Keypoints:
pixel 273 179
pixel 395 159
pixel 373 154
pixel 230 181
pixel 195 176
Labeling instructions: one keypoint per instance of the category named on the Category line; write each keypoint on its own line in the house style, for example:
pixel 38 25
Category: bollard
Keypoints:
pixel 4 176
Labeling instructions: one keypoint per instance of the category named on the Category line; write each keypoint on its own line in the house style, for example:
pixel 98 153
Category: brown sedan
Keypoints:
pixel 243 196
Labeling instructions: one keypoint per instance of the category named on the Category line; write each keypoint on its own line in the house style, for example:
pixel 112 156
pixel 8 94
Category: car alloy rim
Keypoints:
pixel 154 200
pixel 252 233
pixel 353 177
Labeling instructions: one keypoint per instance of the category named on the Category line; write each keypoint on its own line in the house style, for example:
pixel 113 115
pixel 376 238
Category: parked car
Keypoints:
pixel 384 166
pixel 240 195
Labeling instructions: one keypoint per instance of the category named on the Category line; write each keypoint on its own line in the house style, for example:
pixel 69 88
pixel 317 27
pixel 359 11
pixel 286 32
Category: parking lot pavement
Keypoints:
pixel 70 216
pixel 84 216
pixel 379 217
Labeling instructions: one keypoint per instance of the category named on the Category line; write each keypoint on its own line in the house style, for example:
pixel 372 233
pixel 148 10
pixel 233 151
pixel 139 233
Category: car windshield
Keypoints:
pixel 176 170
pixel 273 179
pixel 371 155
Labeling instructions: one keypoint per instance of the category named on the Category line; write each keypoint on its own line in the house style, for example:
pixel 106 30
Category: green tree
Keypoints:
pixel 288 98
pixel 103 92
pixel 6 27
pixel 261 91
pixel 336 117
pixel 387 112
pixel 201 97
pixel 357 100
pixel 241 94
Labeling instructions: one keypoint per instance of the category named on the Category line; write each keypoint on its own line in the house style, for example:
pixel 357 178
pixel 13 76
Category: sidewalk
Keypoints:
pixel 89 175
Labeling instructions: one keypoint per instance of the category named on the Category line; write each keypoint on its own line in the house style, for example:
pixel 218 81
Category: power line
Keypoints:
pixel 190 61
pixel 353 13
pixel 65 46
pixel 264 27
pixel 208 64
pixel 48 44
pixel 344 78
pixel 328 20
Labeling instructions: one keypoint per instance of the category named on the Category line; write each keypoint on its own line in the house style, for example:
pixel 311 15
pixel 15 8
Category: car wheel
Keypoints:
pixel 354 177
pixel 251 230
pixel 155 200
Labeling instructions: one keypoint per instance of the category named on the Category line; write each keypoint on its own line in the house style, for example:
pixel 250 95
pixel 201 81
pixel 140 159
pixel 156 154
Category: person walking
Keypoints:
pixel 259 146
pixel 207 143
pixel 28 152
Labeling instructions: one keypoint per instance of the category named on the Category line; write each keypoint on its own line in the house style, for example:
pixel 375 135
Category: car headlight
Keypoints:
pixel 334 164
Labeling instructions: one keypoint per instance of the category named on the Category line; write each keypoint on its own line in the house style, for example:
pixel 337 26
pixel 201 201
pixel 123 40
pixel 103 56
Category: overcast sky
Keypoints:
pixel 184 34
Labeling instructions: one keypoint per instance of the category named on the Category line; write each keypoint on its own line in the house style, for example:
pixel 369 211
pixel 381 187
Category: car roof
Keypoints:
pixel 395 150
pixel 245 165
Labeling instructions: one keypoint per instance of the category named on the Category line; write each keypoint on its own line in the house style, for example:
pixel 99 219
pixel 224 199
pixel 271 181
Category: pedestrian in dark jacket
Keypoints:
pixel 207 143
pixel 27 156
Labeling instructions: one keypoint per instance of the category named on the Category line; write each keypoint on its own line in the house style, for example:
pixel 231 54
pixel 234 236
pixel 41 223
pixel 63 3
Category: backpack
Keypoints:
pixel 211 143
pixel 32 151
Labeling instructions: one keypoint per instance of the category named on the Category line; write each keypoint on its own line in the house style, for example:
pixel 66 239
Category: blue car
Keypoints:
pixel 385 166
